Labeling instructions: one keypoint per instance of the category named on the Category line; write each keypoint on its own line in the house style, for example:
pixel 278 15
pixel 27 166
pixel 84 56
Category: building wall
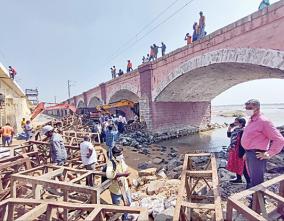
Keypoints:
pixel 16 105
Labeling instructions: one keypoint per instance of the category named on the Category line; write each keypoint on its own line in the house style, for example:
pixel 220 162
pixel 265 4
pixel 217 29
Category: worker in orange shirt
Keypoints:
pixel 7 134
pixel 129 66
pixel 188 39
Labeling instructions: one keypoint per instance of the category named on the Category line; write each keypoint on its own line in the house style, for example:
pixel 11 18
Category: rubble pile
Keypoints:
pixel 156 192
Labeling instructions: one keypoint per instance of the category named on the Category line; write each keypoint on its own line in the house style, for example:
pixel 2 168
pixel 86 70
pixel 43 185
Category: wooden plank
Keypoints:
pixel 262 204
pixel 260 187
pixel 247 212
pixel 200 173
pixel 93 215
pixel 199 205
pixel 216 192
pixel 181 190
pixel 34 213
pixel 273 195
pixel 198 155
pixel 52 174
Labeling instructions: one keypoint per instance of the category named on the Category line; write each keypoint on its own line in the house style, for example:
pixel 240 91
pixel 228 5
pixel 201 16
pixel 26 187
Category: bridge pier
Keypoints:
pixel 175 116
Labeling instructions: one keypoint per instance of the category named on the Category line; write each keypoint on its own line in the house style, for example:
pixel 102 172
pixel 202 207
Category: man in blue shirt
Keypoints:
pixel 111 137
pixel 263 4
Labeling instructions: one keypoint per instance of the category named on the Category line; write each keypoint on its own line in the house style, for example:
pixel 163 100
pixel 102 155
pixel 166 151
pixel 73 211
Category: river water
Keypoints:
pixel 216 139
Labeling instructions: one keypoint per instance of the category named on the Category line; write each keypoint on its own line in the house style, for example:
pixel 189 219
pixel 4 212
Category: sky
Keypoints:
pixel 51 42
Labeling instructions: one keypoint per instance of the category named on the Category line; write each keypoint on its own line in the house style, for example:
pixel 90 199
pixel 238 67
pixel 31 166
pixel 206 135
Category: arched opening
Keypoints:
pixel 95 101
pixel 185 95
pixel 204 77
pixel 230 104
pixel 128 111
pixel 205 83
pixel 81 104
pixel 124 95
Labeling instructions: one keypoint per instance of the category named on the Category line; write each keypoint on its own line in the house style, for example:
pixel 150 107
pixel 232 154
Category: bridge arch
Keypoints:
pixel 81 104
pixel 124 94
pixel 204 77
pixel 95 101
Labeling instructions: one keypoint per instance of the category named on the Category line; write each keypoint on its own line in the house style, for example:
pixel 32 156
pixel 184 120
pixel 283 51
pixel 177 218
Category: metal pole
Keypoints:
pixel 68 83
pixel 55 100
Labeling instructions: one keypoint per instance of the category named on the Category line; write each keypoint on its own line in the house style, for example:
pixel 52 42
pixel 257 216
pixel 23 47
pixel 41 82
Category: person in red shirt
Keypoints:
pixel 261 140
pixel 12 72
pixel 129 66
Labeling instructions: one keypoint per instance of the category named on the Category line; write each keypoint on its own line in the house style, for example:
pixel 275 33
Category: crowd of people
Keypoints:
pixel 198 30
pixel 7 132
pixel 109 127
pixel 120 72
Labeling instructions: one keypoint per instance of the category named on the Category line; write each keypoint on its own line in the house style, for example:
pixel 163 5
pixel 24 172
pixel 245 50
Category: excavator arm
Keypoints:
pixel 41 108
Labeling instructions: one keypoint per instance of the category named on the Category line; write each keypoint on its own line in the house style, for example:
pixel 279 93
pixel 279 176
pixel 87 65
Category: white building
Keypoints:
pixel 13 102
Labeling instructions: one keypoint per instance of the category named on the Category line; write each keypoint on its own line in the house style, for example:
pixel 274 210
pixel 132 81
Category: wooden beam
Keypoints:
pixel 247 212
pixel 34 213
pixel 93 215
pixel 198 205
pixel 200 173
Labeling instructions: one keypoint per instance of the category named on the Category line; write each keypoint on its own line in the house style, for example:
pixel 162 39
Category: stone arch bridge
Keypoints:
pixel 175 91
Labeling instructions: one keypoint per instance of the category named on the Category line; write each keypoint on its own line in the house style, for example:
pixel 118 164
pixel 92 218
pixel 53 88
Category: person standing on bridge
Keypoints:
pixel 263 4
pixel 152 53
pixel 188 39
pixel 163 48
pixel 129 66
pixel 156 50
pixel 195 35
pixel 201 25
pixel 261 140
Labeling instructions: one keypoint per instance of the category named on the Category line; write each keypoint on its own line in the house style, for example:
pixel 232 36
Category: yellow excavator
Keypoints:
pixel 121 103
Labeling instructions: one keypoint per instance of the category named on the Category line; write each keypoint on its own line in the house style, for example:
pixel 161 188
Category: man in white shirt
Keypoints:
pixel 89 157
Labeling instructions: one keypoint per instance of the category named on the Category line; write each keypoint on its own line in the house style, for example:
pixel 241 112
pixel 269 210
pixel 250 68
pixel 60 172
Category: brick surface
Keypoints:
pixel 175 91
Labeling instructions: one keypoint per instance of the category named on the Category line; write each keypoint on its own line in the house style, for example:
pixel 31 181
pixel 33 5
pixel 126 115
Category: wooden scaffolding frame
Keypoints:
pixel 43 177
pixel 8 166
pixel 73 153
pixel 258 210
pixel 44 210
pixel 186 199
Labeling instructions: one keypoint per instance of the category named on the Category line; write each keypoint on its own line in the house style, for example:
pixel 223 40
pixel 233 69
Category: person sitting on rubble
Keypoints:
pixel 236 163
pixel 28 129
pixel 88 157
pixel 58 153
pixel 117 172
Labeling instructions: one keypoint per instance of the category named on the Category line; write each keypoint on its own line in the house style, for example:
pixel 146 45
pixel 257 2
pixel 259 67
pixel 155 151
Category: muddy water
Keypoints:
pixel 216 139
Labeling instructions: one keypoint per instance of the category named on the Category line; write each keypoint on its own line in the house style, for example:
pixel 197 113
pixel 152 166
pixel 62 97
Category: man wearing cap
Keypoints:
pixel 58 153
pixel 117 171
pixel 261 140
